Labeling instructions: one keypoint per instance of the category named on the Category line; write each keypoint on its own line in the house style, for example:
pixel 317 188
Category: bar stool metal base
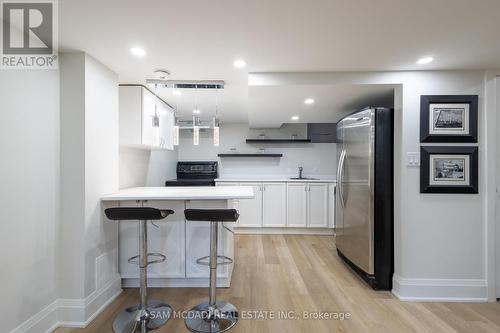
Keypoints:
pixel 202 319
pixel 136 320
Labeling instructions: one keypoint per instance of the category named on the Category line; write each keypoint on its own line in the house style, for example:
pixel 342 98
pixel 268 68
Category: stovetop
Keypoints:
pixel 195 174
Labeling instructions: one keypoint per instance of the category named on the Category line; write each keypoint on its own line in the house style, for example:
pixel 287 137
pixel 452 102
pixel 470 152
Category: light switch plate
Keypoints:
pixel 413 159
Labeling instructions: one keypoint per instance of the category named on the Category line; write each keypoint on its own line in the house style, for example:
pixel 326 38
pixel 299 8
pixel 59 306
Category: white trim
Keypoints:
pixel 284 231
pixel 176 283
pixel 72 312
pixel 490 183
pixel 440 290
pixel 80 312
pixel 44 321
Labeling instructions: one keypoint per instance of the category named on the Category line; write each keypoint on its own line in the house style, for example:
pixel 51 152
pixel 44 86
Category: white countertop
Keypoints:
pixel 276 179
pixel 182 193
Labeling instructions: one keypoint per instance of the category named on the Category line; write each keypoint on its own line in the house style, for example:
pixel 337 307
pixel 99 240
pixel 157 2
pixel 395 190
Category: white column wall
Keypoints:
pixel 29 193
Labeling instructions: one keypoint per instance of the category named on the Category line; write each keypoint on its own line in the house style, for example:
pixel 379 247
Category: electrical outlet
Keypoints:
pixel 413 159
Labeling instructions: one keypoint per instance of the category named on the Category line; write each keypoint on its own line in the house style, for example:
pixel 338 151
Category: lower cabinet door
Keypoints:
pixel 274 205
pixel 251 209
pixel 198 242
pixel 317 205
pixel 297 205
pixel 166 239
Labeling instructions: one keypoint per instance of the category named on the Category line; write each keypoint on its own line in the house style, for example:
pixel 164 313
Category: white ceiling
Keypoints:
pixel 271 106
pixel 200 39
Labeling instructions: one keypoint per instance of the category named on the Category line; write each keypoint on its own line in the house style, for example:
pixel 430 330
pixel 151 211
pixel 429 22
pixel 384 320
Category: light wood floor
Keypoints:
pixel 303 273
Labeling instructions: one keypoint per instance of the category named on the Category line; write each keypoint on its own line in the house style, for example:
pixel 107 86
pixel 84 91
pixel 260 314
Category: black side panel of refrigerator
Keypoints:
pixel 384 199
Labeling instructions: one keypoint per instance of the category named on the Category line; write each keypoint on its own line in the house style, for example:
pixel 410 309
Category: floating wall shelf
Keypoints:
pixel 250 155
pixel 278 140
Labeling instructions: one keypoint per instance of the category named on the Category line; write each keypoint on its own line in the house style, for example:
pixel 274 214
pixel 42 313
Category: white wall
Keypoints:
pixel 101 176
pixel 29 193
pixel 497 226
pixel 439 238
pixel 141 167
pixel 317 159
pixel 89 168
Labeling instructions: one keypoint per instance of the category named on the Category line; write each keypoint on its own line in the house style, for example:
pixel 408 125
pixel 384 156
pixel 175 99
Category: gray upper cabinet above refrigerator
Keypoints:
pixel 322 132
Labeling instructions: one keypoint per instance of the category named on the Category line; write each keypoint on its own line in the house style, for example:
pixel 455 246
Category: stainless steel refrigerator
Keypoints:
pixel 364 195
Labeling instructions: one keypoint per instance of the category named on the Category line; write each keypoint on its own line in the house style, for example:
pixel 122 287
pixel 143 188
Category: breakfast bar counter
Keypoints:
pixel 181 241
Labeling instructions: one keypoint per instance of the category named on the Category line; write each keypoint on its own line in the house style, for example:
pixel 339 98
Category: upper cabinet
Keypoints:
pixel 322 132
pixel 145 120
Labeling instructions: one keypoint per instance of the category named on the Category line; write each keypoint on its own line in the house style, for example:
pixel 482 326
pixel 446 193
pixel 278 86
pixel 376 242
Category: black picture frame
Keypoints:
pixel 425 169
pixel 425 104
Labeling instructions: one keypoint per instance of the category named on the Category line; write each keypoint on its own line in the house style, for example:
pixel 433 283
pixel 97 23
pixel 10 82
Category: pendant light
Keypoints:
pixel 175 132
pixel 196 111
pixel 216 120
pixel 196 131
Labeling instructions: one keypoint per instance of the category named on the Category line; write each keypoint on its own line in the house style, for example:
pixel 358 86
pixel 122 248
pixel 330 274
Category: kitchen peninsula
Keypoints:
pixel 181 241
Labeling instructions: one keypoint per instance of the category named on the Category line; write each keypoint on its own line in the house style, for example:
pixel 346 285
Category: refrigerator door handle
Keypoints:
pixel 340 178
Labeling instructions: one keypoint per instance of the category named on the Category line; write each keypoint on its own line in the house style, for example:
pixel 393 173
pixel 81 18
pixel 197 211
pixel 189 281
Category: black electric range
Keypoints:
pixel 195 174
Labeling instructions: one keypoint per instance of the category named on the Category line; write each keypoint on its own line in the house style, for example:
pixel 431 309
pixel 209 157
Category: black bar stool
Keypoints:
pixel 145 316
pixel 212 316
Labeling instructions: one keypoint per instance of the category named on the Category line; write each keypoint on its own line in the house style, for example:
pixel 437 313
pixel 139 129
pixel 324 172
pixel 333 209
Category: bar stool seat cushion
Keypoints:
pixel 137 213
pixel 212 215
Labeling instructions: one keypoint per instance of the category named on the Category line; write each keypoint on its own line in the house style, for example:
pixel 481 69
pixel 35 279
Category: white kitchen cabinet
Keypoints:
pixel 164 240
pixel 286 205
pixel 145 120
pixel 317 204
pixel 198 242
pixel 274 205
pixel 150 133
pixel 297 205
pixel 251 209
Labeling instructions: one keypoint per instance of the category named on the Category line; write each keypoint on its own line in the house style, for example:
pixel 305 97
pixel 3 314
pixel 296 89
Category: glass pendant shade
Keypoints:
pixel 176 135
pixel 216 136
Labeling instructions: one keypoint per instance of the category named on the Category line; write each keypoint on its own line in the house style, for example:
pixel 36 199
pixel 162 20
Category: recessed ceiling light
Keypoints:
pixel 240 63
pixel 177 92
pixel 137 51
pixel 309 101
pixel 425 60
pixel 196 111
pixel 295 118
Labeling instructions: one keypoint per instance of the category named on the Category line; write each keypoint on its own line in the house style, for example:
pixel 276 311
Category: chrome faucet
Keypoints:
pixel 300 172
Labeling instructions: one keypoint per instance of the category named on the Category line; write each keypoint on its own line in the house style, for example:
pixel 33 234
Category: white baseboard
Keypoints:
pixel 223 282
pixel 283 231
pixel 72 312
pixel 440 290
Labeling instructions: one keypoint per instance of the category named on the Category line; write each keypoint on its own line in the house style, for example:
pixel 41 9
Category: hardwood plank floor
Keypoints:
pixel 284 273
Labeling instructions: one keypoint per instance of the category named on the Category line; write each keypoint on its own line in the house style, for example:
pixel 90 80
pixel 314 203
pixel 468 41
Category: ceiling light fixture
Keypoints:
pixel 295 118
pixel 196 111
pixel 216 120
pixel 240 63
pixel 425 60
pixel 138 52
pixel 309 101
pixel 196 131
pixel 161 74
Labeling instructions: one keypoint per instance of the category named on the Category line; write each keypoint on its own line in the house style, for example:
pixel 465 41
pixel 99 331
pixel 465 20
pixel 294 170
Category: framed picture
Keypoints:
pixel 449 169
pixel 446 118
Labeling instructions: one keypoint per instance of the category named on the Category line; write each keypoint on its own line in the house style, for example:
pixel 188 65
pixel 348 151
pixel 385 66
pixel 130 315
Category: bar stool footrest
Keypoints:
pixel 156 259
pixel 221 260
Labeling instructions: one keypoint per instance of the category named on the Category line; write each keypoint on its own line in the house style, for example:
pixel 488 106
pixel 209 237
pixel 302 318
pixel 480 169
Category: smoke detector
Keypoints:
pixel 161 74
